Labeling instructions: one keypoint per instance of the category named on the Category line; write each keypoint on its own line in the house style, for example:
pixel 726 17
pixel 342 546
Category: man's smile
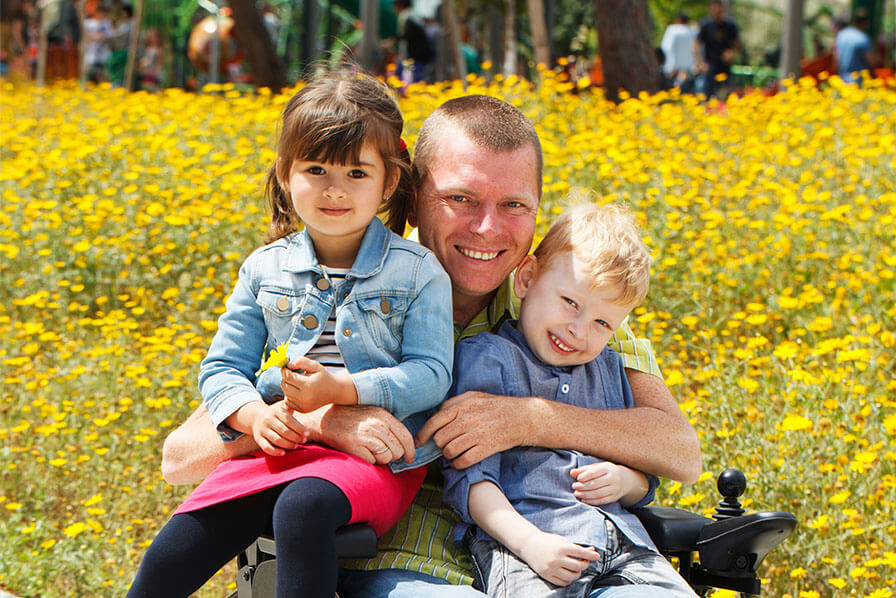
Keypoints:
pixel 478 255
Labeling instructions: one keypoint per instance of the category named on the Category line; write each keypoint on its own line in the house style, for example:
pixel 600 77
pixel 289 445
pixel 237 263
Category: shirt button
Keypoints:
pixel 323 284
pixel 310 322
pixel 347 332
pixel 564 389
pixel 282 303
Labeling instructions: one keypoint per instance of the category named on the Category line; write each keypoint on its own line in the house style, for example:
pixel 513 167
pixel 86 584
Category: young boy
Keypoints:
pixel 549 523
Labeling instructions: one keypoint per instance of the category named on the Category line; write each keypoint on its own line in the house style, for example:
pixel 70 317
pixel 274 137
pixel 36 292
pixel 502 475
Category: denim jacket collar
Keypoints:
pixel 368 262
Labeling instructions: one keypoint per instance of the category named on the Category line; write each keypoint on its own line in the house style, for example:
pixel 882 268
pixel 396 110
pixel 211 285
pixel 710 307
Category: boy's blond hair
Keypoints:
pixel 607 241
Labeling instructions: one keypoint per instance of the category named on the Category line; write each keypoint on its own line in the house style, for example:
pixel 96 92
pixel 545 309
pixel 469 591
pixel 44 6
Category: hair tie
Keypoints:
pixel 402 146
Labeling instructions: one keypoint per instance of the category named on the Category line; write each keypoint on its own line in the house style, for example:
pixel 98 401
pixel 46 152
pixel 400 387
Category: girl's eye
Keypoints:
pixel 357 173
pixel 571 302
pixel 315 170
pixel 604 324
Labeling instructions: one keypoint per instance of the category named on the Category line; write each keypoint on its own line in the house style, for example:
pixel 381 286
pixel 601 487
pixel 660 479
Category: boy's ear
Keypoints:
pixel 524 276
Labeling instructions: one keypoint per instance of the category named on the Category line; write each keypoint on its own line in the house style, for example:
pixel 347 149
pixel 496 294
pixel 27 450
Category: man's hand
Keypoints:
pixel 273 427
pixel 602 483
pixel 307 385
pixel 368 432
pixel 475 425
pixel 556 559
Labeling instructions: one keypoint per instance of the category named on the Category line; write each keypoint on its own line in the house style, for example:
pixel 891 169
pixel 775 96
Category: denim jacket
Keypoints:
pixel 393 327
pixel 537 481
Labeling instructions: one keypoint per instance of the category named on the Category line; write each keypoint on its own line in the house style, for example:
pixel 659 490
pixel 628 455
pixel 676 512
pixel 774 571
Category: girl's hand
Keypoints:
pixel 602 483
pixel 307 385
pixel 273 427
pixel 556 559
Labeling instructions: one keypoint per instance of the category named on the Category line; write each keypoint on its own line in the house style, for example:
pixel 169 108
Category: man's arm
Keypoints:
pixel 193 450
pixel 654 436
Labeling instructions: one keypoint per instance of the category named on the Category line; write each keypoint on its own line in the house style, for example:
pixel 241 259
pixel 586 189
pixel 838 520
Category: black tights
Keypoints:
pixel 192 546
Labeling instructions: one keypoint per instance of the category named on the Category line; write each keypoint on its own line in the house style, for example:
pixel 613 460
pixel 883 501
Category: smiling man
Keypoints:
pixel 477 173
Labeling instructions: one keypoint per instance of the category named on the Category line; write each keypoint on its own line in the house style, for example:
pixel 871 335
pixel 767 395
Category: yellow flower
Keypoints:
pixel 277 358
pixel 795 423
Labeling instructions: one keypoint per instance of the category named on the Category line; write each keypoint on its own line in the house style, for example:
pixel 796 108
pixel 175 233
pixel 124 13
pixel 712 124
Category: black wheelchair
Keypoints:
pixel 729 547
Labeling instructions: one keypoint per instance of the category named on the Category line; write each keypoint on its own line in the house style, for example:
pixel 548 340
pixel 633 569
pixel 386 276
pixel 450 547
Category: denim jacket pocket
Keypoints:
pixel 384 317
pixel 281 310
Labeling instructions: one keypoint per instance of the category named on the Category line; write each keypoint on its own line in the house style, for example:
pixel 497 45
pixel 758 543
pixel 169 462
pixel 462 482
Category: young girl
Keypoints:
pixel 367 318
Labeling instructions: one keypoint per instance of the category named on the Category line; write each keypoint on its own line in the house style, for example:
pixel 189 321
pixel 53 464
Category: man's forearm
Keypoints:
pixel 193 450
pixel 654 436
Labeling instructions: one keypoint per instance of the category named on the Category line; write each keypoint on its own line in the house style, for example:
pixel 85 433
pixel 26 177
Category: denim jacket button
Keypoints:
pixel 323 284
pixel 310 322
pixel 282 303
pixel 384 306
pixel 347 332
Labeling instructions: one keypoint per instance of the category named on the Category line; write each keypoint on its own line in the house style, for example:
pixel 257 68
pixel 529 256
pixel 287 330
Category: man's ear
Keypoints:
pixel 524 276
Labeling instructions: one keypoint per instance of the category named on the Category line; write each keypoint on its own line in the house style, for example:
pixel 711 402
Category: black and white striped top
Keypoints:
pixel 325 350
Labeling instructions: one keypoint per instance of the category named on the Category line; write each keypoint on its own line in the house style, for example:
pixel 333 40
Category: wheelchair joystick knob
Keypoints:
pixel 731 484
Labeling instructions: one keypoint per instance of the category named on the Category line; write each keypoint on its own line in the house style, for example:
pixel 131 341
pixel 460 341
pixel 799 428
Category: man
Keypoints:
pixel 716 45
pixel 477 172
pixel 852 48
pixel 678 49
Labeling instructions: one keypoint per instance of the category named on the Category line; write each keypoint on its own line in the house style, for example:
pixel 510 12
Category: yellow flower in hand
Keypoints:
pixel 277 358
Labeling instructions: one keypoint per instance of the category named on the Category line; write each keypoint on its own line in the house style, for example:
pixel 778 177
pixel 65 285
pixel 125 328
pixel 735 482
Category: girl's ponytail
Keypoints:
pixel 398 205
pixel 282 221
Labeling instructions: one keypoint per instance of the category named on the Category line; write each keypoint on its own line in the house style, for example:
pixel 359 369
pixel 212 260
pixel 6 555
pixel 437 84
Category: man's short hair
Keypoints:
pixel 607 241
pixel 491 123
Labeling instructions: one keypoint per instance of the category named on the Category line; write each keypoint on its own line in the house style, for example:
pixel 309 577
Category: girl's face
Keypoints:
pixel 337 202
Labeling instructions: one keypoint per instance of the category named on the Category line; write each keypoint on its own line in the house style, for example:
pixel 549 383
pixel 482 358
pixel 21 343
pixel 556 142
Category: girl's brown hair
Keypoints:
pixel 330 120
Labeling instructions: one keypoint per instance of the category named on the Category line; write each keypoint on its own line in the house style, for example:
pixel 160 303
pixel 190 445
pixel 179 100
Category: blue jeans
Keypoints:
pixel 398 583
pixel 626 571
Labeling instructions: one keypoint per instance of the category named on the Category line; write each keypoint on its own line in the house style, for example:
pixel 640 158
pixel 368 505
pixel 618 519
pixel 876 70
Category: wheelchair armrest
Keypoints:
pixel 355 541
pixel 673 530
pixel 738 545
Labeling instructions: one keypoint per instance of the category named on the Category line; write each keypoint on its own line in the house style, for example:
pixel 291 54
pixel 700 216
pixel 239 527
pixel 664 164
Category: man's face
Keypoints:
pixel 717 11
pixel 476 211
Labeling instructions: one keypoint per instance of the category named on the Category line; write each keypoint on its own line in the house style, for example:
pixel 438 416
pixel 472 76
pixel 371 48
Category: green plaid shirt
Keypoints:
pixel 422 540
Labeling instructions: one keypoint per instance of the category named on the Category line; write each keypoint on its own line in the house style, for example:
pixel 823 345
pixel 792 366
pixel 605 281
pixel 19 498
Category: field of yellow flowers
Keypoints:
pixel 125 217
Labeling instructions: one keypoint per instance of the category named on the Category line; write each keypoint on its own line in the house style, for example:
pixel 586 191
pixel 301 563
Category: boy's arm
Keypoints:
pixel 553 557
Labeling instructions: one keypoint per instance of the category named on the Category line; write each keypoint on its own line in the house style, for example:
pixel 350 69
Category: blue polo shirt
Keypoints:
pixel 537 481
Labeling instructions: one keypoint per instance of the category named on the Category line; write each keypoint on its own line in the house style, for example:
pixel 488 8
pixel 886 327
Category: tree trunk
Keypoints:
pixel 133 46
pixel 257 47
pixel 539 32
pixel 628 58
pixel 509 63
pixel 449 15
pixel 792 41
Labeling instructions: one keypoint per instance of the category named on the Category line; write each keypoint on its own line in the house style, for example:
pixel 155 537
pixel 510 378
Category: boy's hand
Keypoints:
pixel 556 559
pixel 602 483
pixel 273 427
pixel 307 385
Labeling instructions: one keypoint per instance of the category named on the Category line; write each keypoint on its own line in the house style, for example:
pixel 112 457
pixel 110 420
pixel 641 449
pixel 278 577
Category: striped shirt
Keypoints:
pixel 422 540
pixel 325 350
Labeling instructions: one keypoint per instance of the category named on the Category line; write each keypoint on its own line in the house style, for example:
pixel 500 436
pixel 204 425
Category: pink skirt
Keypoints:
pixel 377 496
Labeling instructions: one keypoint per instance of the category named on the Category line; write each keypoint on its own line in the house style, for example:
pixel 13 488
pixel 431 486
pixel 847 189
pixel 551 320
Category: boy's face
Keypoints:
pixel 564 321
